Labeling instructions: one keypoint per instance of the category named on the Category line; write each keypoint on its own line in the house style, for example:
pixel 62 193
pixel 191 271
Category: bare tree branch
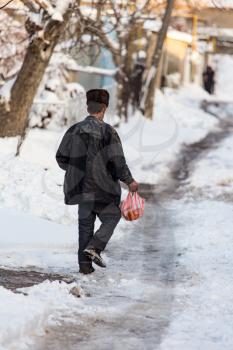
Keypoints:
pixel 90 26
pixel 5 5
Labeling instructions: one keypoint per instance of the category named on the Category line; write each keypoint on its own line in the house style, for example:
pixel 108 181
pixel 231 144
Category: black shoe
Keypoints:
pixel 94 255
pixel 86 269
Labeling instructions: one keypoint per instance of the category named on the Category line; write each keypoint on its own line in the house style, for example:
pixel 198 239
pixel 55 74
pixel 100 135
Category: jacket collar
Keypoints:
pixel 91 117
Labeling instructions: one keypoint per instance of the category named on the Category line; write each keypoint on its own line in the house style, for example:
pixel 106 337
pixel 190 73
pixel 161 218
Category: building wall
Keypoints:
pixel 175 59
pixel 176 48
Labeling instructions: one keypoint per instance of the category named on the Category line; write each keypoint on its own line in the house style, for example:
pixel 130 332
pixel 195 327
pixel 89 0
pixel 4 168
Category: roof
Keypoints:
pixel 155 25
pixel 178 35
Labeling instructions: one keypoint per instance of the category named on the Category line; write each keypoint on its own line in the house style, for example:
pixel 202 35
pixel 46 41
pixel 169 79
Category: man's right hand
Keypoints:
pixel 133 187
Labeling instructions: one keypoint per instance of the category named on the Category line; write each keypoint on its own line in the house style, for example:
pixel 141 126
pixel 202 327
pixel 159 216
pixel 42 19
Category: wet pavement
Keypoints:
pixel 190 154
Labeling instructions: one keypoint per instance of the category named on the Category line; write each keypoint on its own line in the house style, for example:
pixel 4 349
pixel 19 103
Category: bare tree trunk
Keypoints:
pixel 155 83
pixel 124 85
pixel 14 117
pixel 119 105
pixel 122 80
pixel 147 101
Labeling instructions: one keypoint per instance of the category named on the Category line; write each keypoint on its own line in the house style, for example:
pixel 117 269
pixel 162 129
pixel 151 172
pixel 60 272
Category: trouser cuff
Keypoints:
pixel 97 244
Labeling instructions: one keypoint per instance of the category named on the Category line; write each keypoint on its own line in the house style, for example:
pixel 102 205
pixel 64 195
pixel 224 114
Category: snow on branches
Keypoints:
pixel 55 9
pixel 13 42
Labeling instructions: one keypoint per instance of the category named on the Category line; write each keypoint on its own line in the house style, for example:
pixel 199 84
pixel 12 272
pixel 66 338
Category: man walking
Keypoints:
pixel 92 156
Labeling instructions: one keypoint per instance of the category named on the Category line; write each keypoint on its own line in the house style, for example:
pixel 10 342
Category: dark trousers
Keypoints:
pixel 109 215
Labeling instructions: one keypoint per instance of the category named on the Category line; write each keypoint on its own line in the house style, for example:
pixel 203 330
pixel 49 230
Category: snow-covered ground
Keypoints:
pixel 24 316
pixel 174 292
pixel 31 242
pixel 171 291
pixel 224 82
pixel 151 146
pixel 213 175
pixel 202 315
pixel 32 183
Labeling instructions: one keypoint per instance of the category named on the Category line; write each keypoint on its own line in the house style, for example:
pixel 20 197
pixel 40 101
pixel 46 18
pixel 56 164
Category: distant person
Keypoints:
pixel 136 83
pixel 92 156
pixel 163 83
pixel 208 79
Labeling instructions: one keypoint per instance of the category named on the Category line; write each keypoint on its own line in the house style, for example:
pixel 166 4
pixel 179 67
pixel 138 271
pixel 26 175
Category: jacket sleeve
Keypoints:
pixel 117 159
pixel 63 152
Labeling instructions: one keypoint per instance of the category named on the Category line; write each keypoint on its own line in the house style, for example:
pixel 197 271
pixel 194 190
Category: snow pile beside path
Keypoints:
pixel 202 314
pixel 33 189
pixel 224 78
pixel 31 242
pixel 213 175
pixel 192 122
pixel 33 183
pixel 151 147
pixel 24 316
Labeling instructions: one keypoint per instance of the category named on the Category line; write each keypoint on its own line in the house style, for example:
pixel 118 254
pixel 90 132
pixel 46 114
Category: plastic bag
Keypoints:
pixel 132 208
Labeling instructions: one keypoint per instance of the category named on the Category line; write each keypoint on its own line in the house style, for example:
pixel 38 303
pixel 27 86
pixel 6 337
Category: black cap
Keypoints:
pixel 98 95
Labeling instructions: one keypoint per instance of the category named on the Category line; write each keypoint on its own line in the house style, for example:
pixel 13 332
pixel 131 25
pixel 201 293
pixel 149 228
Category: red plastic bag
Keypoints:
pixel 132 208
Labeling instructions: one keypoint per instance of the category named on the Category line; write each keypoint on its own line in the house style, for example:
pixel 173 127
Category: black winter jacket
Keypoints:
pixel 92 156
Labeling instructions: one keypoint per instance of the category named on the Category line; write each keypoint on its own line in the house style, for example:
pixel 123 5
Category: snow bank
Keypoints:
pixel 213 175
pixel 33 182
pixel 27 241
pixel 30 188
pixel 202 314
pixel 224 85
pixel 23 317
pixel 152 146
